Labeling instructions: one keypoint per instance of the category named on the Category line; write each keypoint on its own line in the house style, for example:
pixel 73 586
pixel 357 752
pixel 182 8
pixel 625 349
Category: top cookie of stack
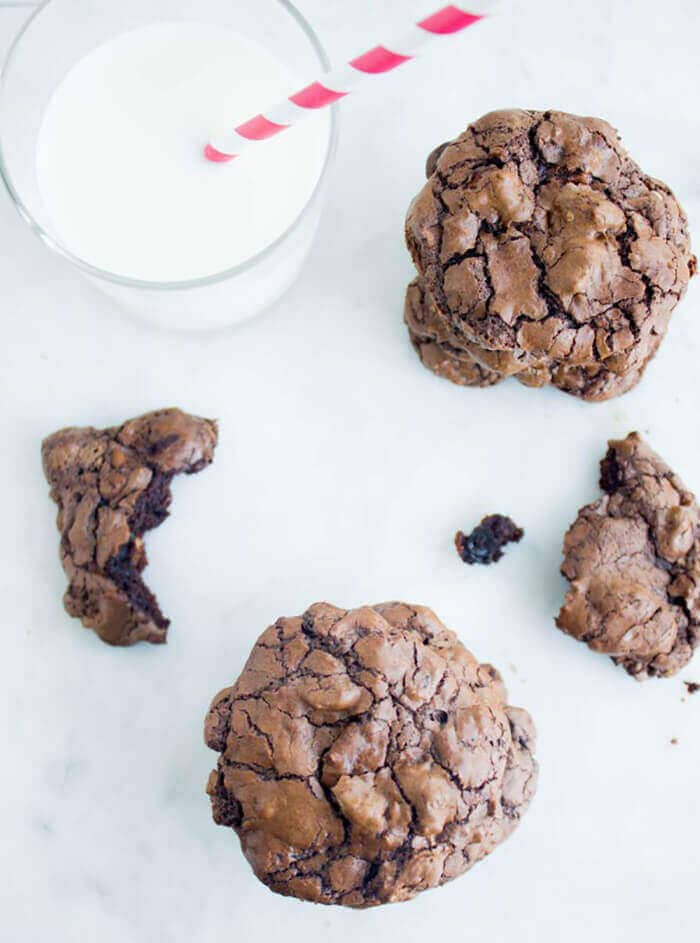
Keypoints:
pixel 544 253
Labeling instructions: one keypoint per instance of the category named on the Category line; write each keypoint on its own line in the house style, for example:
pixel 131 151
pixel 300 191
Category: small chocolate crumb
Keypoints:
pixel 692 686
pixel 674 741
pixel 485 543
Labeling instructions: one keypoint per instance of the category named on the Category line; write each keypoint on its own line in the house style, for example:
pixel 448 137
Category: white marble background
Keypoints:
pixel 343 471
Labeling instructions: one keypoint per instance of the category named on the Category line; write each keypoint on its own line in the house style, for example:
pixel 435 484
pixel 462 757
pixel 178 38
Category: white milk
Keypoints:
pixel 120 164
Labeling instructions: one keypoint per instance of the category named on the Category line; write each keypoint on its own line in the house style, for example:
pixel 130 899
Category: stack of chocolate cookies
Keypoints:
pixel 543 253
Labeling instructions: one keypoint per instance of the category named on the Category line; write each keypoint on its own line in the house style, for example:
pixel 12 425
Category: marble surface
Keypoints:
pixel 343 471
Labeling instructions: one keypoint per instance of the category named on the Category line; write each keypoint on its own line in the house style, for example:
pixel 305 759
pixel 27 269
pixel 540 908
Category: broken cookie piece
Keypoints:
pixel 486 542
pixel 111 486
pixel 366 756
pixel 633 561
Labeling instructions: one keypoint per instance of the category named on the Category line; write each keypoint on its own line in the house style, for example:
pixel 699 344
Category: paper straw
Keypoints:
pixel 448 21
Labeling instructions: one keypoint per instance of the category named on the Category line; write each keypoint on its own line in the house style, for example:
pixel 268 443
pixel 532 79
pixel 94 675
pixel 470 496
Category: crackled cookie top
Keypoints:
pixel 111 486
pixel 537 234
pixel 633 562
pixel 366 756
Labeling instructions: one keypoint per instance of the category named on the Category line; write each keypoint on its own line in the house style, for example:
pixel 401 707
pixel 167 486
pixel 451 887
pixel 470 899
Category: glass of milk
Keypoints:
pixel 105 108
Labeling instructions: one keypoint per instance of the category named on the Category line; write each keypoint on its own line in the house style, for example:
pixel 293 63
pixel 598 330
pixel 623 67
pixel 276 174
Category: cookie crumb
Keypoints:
pixel 485 543
pixel 692 686
pixel 674 741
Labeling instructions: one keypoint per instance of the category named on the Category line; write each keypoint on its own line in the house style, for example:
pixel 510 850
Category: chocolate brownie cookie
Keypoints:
pixel 633 560
pixel 544 253
pixel 111 486
pixel 367 756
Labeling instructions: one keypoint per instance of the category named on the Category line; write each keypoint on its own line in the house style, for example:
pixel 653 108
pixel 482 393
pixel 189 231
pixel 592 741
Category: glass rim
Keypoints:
pixel 55 245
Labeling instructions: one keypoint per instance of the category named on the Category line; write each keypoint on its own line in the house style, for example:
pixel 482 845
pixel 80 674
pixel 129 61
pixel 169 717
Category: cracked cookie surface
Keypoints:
pixel 111 486
pixel 366 755
pixel 633 561
pixel 544 253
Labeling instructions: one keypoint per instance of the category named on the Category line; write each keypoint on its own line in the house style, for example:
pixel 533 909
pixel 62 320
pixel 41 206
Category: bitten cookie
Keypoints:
pixel 367 756
pixel 111 486
pixel 633 560
pixel 544 253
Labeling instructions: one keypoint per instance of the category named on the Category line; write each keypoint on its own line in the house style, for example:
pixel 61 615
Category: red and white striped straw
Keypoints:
pixel 335 85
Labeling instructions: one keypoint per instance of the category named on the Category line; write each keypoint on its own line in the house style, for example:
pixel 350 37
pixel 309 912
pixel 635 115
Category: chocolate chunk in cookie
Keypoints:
pixel 111 486
pixel 367 756
pixel 544 253
pixel 486 542
pixel 633 561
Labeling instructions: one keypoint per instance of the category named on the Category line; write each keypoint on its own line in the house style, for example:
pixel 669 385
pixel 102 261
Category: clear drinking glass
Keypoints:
pixel 55 37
